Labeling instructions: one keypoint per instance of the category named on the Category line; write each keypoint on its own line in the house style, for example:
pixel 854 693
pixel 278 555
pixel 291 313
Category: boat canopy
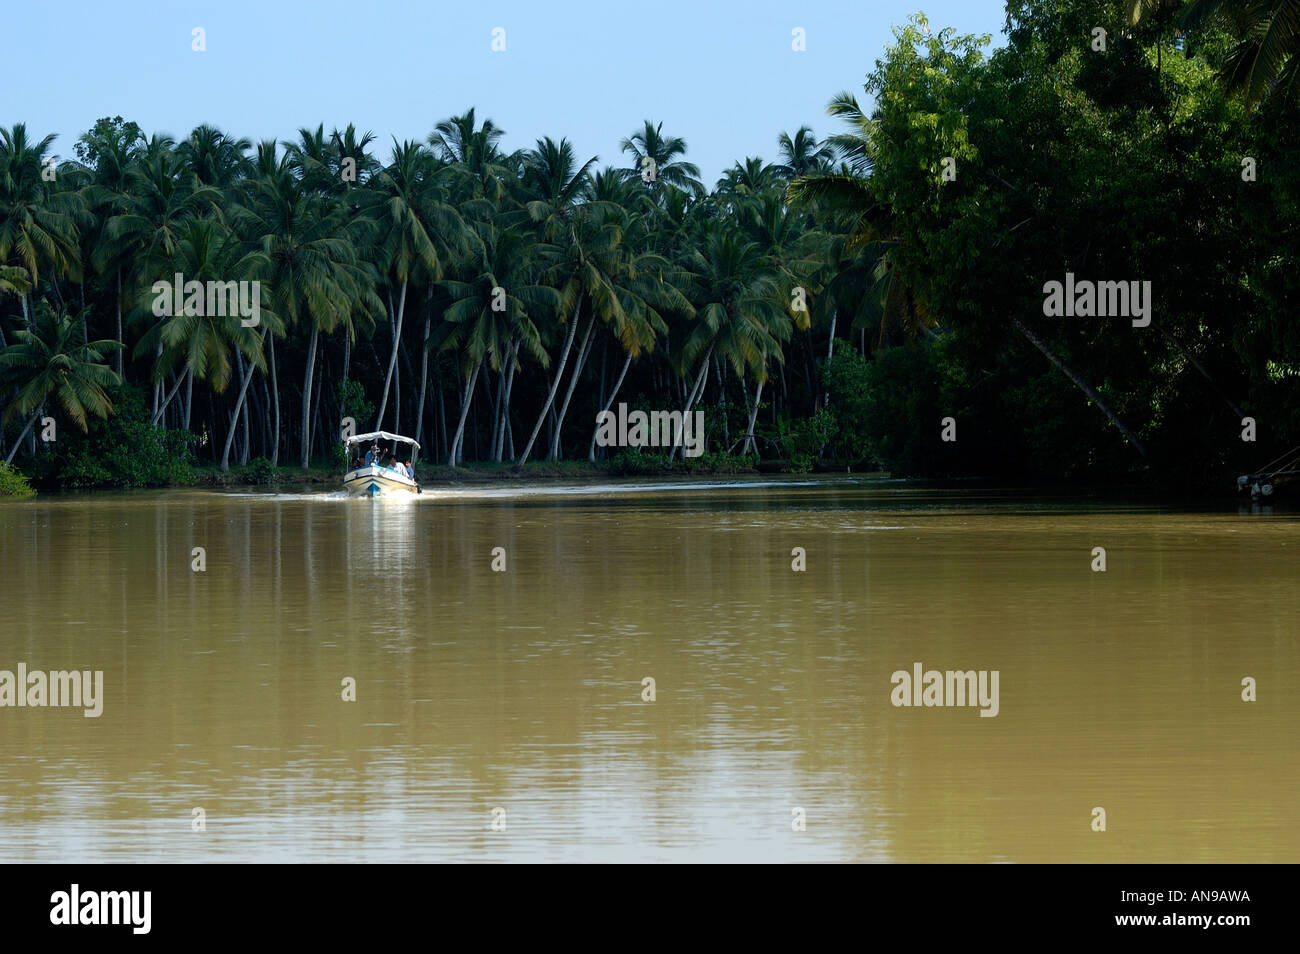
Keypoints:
pixel 381 435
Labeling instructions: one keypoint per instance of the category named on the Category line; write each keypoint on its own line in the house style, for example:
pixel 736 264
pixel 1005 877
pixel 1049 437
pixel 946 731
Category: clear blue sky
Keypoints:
pixel 720 74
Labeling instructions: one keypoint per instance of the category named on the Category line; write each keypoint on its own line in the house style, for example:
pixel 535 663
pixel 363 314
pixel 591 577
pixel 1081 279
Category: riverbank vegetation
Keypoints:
pixel 839 303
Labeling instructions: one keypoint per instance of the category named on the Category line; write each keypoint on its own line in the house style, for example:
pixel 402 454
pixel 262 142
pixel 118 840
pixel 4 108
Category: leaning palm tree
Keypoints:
pixel 490 321
pixel 740 311
pixel 648 286
pixel 558 185
pixel 866 227
pixel 315 275
pixel 203 346
pixel 417 233
pixel 49 362
pixel 140 241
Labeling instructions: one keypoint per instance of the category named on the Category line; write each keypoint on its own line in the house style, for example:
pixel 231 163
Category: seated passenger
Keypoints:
pixel 370 456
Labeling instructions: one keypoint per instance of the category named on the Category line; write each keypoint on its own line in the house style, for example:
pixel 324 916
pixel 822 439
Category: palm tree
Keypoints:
pixel 208 347
pixel 870 226
pixel 49 361
pixel 348 145
pixel 749 179
pixel 649 142
pixel 648 287
pixel 417 233
pixel 215 158
pixel 14 280
pixel 109 153
pixel 1266 57
pixel 740 311
pixel 314 272
pixel 38 225
pixel 553 174
pixel 475 155
pixel 803 155
pixel 140 241
pixel 490 321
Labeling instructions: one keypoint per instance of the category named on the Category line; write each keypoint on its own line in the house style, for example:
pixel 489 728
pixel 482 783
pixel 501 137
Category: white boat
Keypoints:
pixel 373 479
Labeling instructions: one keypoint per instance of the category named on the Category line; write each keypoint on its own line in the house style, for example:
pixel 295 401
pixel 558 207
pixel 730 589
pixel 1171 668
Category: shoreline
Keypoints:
pixel 476 474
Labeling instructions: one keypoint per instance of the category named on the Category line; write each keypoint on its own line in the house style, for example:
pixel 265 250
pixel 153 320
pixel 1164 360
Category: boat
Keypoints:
pixel 1273 475
pixel 373 479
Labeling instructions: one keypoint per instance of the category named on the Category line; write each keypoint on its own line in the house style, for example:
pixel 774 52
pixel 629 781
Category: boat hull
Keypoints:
pixel 375 481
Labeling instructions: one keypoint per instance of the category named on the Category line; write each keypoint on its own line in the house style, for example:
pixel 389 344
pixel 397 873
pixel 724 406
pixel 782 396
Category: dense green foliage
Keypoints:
pixel 13 484
pixel 123 450
pixel 834 306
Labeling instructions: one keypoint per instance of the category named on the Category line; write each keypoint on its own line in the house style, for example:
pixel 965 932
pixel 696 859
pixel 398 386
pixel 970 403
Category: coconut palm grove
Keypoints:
pixel 829 306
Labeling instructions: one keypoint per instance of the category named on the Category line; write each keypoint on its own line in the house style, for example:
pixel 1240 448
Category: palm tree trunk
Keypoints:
pixel 246 448
pixel 239 404
pixel 830 353
pixel 117 355
pixel 583 351
pixel 392 361
pixel 505 403
pixel 157 415
pixel 722 399
pixel 604 365
pixel 157 385
pixel 397 400
pixel 275 406
pixel 696 391
pixel 464 413
pixel 627 363
pixel 424 376
pixel 753 415
pixel 18 443
pixel 442 411
pixel 189 397
pixel 306 395
pixel 497 403
pixel 1079 383
pixel 318 421
pixel 347 358
pixel 550 397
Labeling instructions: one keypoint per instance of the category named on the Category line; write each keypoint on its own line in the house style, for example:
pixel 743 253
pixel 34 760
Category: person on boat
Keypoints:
pixel 370 456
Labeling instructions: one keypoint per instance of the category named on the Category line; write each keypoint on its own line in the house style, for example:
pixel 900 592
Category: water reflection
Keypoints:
pixel 522 689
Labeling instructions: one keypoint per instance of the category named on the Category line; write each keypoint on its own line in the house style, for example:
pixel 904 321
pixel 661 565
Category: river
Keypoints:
pixel 503 714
